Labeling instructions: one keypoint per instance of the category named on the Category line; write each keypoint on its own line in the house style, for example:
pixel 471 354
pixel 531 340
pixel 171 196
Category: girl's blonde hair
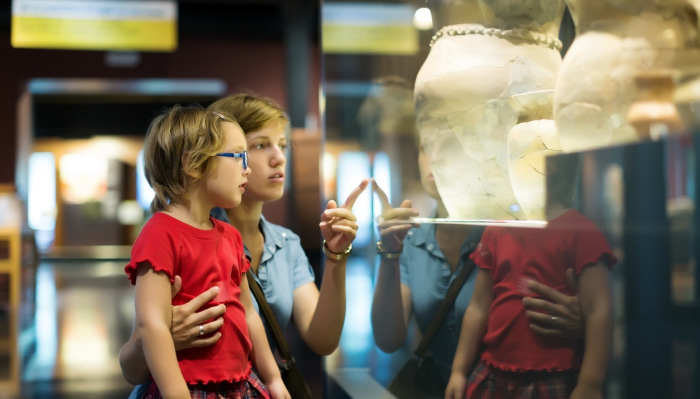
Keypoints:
pixel 252 111
pixel 179 144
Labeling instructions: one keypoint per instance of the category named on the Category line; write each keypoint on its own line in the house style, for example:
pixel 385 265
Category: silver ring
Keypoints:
pixel 554 318
pixel 201 329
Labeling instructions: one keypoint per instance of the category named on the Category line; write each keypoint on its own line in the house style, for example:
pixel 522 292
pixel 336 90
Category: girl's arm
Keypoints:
pixel 319 316
pixel 185 331
pixel 153 319
pixel 473 329
pixel 596 306
pixel 261 356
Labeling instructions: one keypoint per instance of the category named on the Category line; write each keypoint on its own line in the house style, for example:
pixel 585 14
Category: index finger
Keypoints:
pixel 200 300
pixel 355 193
pixel 381 194
pixel 547 292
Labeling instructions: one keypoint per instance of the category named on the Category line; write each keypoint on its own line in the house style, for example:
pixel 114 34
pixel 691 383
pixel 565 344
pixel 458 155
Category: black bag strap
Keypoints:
pixel 444 307
pixel 266 312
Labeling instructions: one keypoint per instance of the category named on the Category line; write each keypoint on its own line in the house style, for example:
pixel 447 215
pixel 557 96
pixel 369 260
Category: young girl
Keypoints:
pixel 196 160
pixel 516 362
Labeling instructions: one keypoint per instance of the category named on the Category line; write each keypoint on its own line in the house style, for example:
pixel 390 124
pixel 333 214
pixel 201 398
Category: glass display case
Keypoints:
pixel 493 115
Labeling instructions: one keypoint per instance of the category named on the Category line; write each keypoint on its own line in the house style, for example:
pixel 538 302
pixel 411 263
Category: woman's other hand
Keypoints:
pixel 186 319
pixel 338 224
pixel 557 315
pixel 391 231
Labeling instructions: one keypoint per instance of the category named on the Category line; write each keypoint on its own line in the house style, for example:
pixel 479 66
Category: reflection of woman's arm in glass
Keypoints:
pixel 391 305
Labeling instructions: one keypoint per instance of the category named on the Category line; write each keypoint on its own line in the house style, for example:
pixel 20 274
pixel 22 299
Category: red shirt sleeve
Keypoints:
pixel 156 246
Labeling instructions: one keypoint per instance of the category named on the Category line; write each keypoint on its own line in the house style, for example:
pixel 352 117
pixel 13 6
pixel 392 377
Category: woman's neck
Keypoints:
pixel 246 217
pixel 459 231
pixel 441 211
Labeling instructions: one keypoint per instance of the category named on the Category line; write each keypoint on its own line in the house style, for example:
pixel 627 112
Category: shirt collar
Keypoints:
pixel 272 234
pixel 425 236
pixel 422 236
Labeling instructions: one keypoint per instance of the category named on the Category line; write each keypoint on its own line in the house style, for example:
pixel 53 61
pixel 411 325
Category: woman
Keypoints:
pixel 277 258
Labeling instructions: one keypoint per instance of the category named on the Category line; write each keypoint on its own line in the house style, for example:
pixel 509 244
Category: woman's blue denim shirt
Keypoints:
pixel 424 269
pixel 283 268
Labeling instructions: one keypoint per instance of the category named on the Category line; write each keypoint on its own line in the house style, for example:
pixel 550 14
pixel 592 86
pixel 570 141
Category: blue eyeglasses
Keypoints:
pixel 243 155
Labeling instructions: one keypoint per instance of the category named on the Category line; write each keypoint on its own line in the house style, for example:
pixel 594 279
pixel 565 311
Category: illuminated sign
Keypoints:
pixel 368 28
pixel 95 25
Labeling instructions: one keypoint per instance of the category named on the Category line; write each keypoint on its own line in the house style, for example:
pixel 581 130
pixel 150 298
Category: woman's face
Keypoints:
pixel 266 156
pixel 426 174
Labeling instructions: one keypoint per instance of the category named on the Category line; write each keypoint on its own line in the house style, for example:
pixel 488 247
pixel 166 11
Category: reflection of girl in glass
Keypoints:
pixel 498 356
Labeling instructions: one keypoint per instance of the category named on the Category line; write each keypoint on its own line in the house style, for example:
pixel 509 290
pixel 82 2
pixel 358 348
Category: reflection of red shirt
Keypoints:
pixel 516 255
pixel 203 258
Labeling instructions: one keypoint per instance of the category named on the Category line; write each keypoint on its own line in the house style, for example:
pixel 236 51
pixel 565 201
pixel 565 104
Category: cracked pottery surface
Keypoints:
pixel 486 74
pixel 615 41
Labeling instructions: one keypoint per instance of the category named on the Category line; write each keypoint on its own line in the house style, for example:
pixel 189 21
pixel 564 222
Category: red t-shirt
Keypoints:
pixel 203 258
pixel 516 255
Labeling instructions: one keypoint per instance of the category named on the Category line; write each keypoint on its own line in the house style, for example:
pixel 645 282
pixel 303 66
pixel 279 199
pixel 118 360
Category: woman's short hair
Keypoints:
pixel 251 111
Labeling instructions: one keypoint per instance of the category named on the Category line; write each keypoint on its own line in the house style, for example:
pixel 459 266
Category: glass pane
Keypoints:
pixel 458 117
pixel 684 369
pixel 680 189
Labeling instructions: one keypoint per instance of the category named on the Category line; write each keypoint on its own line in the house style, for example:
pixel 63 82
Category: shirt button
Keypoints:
pixel 284 234
pixel 271 248
pixel 430 247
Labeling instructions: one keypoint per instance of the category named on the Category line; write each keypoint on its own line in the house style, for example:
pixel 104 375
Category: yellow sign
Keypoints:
pixel 368 28
pixel 95 25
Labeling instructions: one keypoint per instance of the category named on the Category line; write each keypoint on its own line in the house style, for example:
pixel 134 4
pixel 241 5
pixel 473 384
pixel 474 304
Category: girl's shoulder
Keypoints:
pixel 225 228
pixel 160 222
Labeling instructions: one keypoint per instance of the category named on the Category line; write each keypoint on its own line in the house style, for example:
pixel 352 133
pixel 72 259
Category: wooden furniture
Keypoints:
pixel 10 298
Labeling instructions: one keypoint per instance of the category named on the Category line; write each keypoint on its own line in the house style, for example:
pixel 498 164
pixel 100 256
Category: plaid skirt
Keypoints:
pixel 487 383
pixel 250 388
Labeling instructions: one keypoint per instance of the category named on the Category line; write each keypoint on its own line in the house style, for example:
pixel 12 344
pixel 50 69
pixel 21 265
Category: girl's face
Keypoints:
pixel 226 179
pixel 266 152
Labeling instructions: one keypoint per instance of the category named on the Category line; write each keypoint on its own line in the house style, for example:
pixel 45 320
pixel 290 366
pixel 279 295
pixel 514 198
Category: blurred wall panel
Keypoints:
pixel 254 62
